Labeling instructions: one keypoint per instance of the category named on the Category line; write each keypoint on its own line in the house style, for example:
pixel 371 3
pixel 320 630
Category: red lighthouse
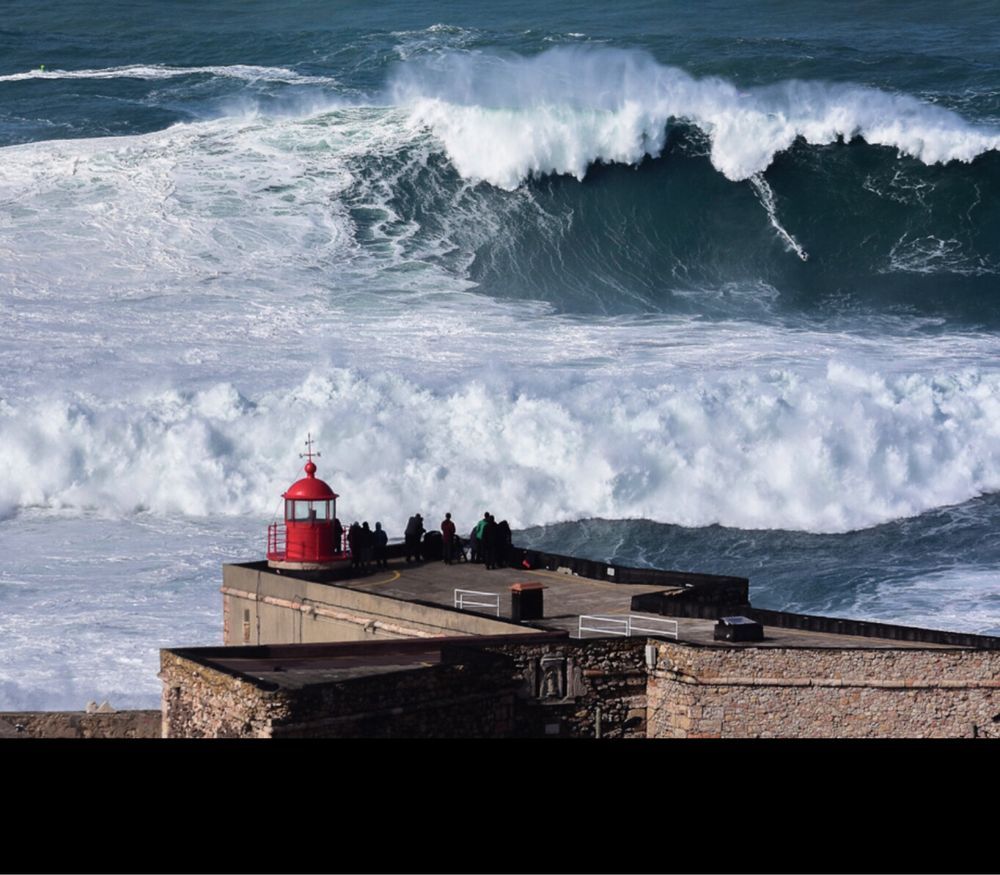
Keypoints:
pixel 311 537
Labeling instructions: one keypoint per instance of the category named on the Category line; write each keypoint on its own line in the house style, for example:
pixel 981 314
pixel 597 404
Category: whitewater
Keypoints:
pixel 646 311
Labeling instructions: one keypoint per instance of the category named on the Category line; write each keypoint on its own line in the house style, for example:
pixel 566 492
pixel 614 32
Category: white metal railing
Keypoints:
pixel 653 625
pixel 626 626
pixel 468 598
pixel 618 625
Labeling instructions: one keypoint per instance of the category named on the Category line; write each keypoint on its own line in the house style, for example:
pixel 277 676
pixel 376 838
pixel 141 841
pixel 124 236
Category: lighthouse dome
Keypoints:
pixel 310 487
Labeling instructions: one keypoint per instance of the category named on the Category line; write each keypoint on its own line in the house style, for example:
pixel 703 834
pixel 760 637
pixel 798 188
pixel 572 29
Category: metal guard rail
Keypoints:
pixel 461 599
pixel 626 626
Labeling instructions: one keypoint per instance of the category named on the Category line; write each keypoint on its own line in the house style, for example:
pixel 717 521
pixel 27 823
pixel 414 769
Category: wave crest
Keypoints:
pixel 505 118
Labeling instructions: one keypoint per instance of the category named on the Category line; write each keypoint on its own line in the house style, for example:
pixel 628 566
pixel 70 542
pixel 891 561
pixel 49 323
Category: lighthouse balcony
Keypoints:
pixel 303 545
pixel 277 539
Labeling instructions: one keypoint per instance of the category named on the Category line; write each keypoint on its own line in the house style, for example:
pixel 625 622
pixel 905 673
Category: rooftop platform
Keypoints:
pixel 568 596
pixel 300 666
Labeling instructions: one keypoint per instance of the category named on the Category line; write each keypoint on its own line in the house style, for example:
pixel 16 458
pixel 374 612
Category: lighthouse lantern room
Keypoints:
pixel 311 537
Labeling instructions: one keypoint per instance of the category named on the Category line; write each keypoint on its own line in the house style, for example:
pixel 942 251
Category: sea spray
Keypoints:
pixel 849 449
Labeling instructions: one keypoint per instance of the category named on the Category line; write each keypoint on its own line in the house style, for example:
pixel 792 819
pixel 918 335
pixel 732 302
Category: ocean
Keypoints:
pixel 711 287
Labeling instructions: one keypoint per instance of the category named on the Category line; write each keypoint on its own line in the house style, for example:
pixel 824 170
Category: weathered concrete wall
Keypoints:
pixel 79 724
pixel 815 693
pixel 261 607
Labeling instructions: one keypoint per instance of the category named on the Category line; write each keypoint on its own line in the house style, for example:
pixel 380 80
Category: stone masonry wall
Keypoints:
pixel 582 688
pixel 440 701
pixel 564 688
pixel 776 692
pixel 435 701
pixel 559 689
pixel 199 702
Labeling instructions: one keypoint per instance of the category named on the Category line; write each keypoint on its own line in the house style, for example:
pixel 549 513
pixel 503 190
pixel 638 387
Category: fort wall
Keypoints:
pixel 80 724
pixel 202 702
pixel 814 693
pixel 262 607
pixel 575 688
pixel 495 690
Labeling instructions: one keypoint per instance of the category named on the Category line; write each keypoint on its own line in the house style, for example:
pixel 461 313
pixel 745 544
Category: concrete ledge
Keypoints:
pixel 80 724
pixel 905 684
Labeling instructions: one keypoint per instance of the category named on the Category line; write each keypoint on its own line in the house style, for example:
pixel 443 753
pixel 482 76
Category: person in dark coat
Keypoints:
pixel 380 546
pixel 367 543
pixel 447 537
pixel 414 532
pixel 458 549
pixel 338 536
pixel 504 544
pixel 490 539
pixel 354 544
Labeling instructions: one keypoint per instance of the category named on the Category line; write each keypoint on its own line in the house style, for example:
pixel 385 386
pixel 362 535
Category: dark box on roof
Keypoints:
pixel 738 629
pixel 526 601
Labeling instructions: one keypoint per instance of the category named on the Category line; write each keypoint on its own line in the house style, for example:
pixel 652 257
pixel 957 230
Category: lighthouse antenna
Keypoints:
pixel 308 454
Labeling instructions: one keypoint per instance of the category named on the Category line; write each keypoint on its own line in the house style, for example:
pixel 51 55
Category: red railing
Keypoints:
pixel 276 542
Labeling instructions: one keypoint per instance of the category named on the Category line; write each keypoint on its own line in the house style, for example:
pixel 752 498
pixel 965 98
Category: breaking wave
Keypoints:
pixel 505 118
pixel 846 450
pixel 463 170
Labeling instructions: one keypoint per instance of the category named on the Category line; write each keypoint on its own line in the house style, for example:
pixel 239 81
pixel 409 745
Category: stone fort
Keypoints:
pixel 558 646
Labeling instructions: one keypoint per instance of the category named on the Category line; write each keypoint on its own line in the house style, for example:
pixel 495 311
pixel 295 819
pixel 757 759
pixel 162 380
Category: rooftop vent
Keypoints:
pixel 738 629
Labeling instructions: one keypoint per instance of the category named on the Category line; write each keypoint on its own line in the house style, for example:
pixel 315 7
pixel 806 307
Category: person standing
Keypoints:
pixel 421 531
pixel 380 546
pixel 504 544
pixel 412 535
pixel 447 537
pixel 354 544
pixel 490 539
pixel 367 543
pixel 478 550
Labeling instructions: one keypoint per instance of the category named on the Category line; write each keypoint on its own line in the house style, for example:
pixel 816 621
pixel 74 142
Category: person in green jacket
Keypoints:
pixel 477 538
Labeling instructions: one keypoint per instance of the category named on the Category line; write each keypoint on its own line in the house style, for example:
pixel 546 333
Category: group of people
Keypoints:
pixel 489 540
pixel 366 545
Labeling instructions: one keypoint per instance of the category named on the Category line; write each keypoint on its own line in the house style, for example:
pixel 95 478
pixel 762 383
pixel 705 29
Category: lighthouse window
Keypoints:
pixel 308 510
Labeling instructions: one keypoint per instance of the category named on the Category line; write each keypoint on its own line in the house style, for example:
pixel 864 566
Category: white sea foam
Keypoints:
pixel 766 196
pixel 845 450
pixel 963 598
pixel 247 72
pixel 170 292
pixel 930 254
pixel 505 118
pixel 85 602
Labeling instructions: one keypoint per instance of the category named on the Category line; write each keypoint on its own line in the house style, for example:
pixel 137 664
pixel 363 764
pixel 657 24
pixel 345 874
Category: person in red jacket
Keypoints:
pixel 447 537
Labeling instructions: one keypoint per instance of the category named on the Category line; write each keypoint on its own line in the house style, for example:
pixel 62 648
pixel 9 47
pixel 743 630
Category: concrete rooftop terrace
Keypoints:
pixel 298 666
pixel 567 596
